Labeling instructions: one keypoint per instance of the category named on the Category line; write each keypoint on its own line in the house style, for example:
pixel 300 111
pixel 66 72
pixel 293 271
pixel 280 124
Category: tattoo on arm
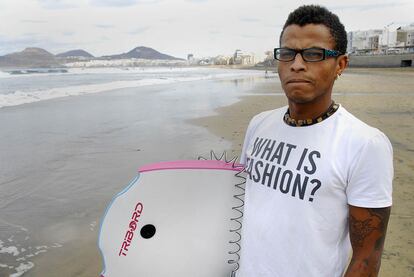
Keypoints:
pixel 360 229
pixel 367 229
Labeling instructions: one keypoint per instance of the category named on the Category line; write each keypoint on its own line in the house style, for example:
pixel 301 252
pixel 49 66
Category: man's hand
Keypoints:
pixel 367 228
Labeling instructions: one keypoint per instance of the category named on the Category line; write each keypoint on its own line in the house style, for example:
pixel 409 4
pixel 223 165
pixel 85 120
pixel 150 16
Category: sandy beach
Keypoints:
pixel 383 98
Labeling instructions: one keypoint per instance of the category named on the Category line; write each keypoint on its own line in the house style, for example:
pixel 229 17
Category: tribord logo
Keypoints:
pixel 129 235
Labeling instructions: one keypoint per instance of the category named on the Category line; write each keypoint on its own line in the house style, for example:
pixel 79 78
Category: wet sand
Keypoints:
pixel 383 98
pixel 63 160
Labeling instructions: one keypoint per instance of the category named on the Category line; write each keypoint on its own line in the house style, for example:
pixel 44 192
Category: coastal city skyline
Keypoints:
pixel 173 27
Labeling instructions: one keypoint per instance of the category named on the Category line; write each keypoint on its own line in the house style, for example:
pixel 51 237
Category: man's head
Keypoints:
pixel 319 15
pixel 312 81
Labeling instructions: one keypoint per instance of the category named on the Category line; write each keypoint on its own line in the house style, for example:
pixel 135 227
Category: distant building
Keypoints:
pixel 125 63
pixel 238 58
pixel 270 59
pixel 364 41
pixel 388 39
pixel 222 60
pixel 241 58
pixel 405 35
pixel 206 61
pixel 382 41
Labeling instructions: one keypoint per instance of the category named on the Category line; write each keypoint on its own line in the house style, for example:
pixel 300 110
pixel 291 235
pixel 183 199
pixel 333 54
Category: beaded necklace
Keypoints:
pixel 307 122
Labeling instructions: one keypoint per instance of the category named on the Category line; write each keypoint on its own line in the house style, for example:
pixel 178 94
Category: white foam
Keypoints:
pixel 133 70
pixel 9 250
pixel 56 245
pixel 4 74
pixel 24 97
pixel 112 70
pixel 92 225
pixel 40 251
pixel 22 268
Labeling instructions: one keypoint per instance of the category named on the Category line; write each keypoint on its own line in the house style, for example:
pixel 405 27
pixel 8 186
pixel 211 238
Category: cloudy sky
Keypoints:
pixel 175 27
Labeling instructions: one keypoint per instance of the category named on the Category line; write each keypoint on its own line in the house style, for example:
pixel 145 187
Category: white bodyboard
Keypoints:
pixel 175 219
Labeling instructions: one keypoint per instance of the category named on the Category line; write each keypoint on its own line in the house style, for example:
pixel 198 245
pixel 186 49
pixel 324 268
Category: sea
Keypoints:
pixel 26 86
pixel 73 138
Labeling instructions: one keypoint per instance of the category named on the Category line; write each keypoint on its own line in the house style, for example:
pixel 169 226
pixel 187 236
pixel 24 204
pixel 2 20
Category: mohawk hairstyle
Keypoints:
pixel 314 14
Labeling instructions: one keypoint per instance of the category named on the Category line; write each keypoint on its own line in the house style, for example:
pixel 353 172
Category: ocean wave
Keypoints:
pixel 25 73
pixel 22 259
pixel 24 97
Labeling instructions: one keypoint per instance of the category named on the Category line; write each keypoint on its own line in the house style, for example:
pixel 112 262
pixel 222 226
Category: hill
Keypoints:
pixel 78 53
pixel 142 52
pixel 33 57
pixel 29 57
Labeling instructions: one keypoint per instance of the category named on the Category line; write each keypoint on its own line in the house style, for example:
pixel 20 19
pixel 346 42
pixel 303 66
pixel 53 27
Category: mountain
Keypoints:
pixel 29 57
pixel 78 53
pixel 142 53
pixel 33 57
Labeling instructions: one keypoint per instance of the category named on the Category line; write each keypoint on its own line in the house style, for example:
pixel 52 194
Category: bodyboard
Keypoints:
pixel 178 218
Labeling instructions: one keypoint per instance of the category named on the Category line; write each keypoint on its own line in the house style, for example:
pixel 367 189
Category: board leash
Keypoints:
pixel 240 187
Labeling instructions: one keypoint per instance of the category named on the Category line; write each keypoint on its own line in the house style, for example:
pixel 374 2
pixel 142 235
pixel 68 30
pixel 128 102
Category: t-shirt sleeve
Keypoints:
pixel 249 133
pixel 246 143
pixel 370 181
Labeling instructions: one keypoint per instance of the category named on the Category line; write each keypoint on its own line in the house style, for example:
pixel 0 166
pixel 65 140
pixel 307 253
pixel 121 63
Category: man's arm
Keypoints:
pixel 367 228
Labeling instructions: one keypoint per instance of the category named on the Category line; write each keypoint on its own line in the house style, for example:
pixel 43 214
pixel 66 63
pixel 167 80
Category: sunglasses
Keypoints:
pixel 314 54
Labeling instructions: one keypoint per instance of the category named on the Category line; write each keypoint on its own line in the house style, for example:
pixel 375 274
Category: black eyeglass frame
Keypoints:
pixel 326 53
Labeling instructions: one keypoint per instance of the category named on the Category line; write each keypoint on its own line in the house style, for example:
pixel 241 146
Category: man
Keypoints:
pixel 319 181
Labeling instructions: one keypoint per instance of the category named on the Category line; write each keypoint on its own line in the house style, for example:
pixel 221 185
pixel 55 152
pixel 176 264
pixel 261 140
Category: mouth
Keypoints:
pixel 297 81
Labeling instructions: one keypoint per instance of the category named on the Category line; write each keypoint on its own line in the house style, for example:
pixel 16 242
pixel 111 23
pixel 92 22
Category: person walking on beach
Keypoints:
pixel 319 180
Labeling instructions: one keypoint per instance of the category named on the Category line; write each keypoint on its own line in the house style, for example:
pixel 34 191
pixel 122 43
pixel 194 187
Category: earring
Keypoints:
pixel 337 75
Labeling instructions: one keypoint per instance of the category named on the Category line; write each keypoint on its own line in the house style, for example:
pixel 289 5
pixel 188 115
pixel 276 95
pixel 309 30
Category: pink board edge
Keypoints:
pixel 191 164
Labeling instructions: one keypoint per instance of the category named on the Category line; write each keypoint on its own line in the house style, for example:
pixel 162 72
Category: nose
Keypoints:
pixel 298 64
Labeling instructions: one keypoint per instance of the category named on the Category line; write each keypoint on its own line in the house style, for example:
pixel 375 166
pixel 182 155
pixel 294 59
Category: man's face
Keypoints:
pixel 308 82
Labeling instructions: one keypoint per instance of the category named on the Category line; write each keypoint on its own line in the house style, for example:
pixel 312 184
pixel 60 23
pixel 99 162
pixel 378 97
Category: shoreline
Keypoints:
pixel 15 96
pixel 382 98
pixel 241 67
pixel 67 158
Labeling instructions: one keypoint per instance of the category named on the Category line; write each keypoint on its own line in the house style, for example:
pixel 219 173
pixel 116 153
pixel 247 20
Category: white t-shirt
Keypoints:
pixel 300 182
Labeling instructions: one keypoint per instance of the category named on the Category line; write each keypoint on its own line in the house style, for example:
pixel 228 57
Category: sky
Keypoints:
pixel 174 27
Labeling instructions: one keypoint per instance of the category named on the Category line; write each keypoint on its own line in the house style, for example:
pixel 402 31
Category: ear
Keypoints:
pixel 342 63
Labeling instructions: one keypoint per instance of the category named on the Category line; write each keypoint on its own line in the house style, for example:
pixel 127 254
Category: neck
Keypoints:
pixel 303 111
